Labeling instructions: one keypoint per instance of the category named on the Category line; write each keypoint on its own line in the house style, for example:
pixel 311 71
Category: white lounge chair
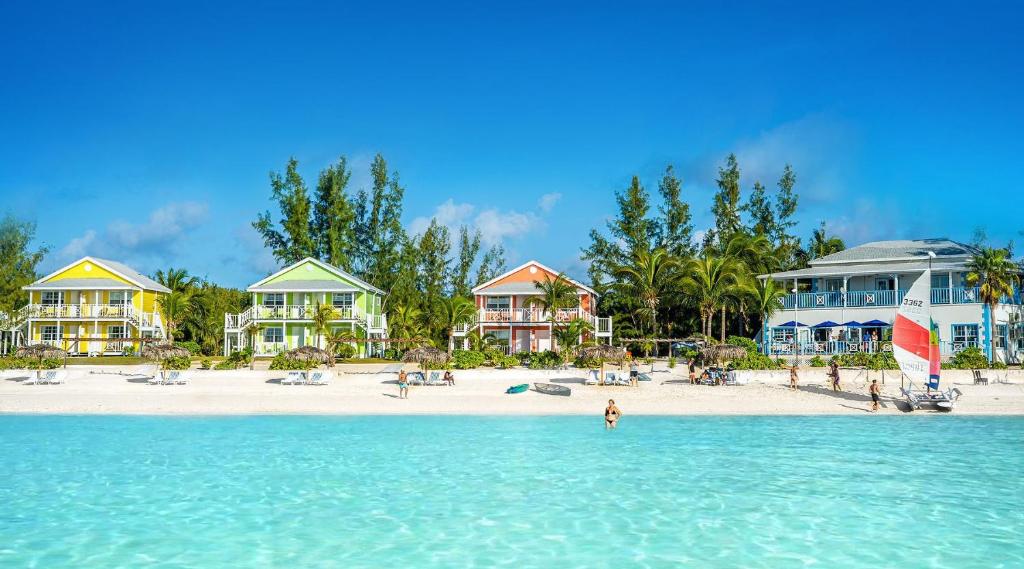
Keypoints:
pixel 415 378
pixel 592 378
pixel 294 378
pixel 171 377
pixel 182 378
pixel 156 379
pixel 36 379
pixel 56 377
pixel 435 379
pixel 320 378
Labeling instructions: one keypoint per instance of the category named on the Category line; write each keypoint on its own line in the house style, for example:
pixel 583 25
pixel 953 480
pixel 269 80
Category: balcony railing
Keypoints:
pixel 519 315
pixel 836 347
pixel 872 298
pixel 91 311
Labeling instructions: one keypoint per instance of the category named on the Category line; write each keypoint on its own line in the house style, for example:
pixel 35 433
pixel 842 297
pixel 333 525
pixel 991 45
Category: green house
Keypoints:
pixel 283 304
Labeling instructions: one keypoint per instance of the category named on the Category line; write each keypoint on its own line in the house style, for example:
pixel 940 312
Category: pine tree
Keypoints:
pixel 787 244
pixel 759 208
pixel 379 226
pixel 469 247
pixel 676 232
pixel 491 265
pixel 293 241
pixel 434 266
pixel 726 205
pixel 334 218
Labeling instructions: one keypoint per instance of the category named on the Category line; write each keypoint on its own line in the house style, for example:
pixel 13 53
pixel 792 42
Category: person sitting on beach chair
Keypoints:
pixel 449 377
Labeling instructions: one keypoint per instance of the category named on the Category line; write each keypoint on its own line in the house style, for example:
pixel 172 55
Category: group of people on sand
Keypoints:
pixel 403 382
pixel 833 374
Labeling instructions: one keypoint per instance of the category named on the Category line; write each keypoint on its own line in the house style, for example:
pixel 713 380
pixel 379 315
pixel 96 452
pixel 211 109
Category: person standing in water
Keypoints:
pixel 403 385
pixel 876 395
pixel 612 414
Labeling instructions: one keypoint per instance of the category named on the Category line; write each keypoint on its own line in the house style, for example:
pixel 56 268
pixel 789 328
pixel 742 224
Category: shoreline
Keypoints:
pixel 371 390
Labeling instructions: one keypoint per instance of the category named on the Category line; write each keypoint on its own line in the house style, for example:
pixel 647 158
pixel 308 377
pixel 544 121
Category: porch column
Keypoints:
pixel 949 286
pixel 846 282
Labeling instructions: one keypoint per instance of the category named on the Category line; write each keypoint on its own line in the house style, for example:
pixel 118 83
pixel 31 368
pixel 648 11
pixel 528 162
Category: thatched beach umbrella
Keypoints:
pixel 602 353
pixel 41 352
pixel 426 356
pixel 163 350
pixel 721 353
pixel 311 354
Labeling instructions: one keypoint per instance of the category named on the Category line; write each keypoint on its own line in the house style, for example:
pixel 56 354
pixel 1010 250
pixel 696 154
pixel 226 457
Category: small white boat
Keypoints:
pixel 552 389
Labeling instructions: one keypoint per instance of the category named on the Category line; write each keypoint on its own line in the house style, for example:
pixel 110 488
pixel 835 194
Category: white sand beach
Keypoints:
pixel 372 390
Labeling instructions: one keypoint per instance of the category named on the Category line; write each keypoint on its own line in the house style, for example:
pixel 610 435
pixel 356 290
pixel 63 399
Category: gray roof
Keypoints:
pixel 305 285
pixel 510 288
pixel 146 282
pixel 839 270
pixel 898 250
pixel 101 283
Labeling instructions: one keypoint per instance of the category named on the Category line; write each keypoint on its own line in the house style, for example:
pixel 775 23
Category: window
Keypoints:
pixel 498 302
pixel 273 335
pixel 116 332
pixel 273 299
pixel 1000 338
pixel 884 284
pixel 965 334
pixel 52 298
pixel 51 333
pixel 833 285
pixel 119 297
pixel 501 337
pixel 940 281
pixel 342 300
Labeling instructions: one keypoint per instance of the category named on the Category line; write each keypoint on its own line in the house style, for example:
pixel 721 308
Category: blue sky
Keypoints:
pixel 145 131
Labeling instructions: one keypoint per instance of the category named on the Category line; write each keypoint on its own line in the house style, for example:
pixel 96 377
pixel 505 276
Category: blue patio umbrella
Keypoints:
pixel 876 324
pixel 792 324
pixel 825 324
pixel 852 324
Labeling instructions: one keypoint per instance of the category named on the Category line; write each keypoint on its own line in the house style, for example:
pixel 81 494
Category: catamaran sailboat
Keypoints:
pixel 915 344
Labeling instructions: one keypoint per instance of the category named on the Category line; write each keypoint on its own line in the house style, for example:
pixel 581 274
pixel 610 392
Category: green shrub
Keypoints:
pixel 467 359
pixel 540 360
pixel 743 342
pixel 14 362
pixel 205 363
pixel 283 362
pixel 392 354
pixel 177 362
pixel 226 364
pixel 506 362
pixel 671 363
pixel 587 363
pixel 192 347
pixel 756 361
pixel 972 358
pixel 345 351
pixel 128 351
pixel 817 361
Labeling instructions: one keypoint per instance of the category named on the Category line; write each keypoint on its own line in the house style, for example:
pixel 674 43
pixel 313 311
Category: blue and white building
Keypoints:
pixel 846 302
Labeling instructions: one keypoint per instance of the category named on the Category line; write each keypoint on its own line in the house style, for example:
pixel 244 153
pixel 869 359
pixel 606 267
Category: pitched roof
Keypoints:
pixel 119 269
pixel 488 285
pixel 327 267
pixel 100 283
pixel 898 250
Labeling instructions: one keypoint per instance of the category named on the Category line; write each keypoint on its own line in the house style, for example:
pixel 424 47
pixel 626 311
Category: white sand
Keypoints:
pixel 366 390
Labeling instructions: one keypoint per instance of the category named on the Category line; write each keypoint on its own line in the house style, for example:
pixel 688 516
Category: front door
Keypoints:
pixel 543 340
pixel 523 341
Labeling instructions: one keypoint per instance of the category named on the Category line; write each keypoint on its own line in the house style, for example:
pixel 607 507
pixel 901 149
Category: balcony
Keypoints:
pixel 837 347
pixel 881 298
pixel 375 323
pixel 91 311
pixel 527 316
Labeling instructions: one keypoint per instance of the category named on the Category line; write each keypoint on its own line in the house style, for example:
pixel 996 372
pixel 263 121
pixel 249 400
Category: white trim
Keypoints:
pixel 322 265
pixel 479 288
pixel 95 262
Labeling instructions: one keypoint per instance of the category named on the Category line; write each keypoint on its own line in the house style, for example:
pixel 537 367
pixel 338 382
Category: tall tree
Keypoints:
pixel 709 280
pixel 759 208
pixel 786 200
pixel 822 244
pixel 290 239
pixel 19 264
pixel 456 311
pixel 469 247
pixel 334 228
pixel 995 275
pixel 726 204
pixel 630 231
pixel 434 248
pixel 648 278
pixel 378 218
pixel 676 231
pixel 491 265
pixel 176 279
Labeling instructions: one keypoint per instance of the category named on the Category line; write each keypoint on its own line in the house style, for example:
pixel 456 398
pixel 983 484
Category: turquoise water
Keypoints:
pixel 824 492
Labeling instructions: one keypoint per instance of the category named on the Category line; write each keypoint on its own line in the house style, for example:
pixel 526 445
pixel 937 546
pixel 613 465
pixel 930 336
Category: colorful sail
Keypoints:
pixel 912 332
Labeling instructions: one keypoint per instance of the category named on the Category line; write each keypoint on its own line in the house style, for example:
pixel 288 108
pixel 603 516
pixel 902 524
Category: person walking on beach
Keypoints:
pixel 634 373
pixel 693 371
pixel 876 395
pixel 793 377
pixel 403 385
pixel 834 374
pixel 612 414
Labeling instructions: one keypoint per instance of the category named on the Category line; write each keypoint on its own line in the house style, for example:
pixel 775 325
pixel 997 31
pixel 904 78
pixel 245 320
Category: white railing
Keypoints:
pixel 93 311
pixel 603 326
pixel 491 315
pixel 269 348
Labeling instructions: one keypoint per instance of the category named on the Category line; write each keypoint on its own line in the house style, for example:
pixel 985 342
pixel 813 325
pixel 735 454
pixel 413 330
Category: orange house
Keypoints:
pixel 504 312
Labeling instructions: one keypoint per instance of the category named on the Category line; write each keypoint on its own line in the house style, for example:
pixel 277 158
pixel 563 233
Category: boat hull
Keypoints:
pixel 552 389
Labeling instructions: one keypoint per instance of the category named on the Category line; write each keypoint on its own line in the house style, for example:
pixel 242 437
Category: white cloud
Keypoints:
pixel 547 202
pixel 497 225
pixel 448 213
pixel 154 238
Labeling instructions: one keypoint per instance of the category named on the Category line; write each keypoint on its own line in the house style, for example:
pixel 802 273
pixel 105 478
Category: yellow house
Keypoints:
pixel 93 306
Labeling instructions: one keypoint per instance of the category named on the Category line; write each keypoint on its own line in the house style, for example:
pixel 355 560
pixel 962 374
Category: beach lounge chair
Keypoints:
pixel 182 378
pixel 415 378
pixel 591 378
pixel 294 378
pixel 644 377
pixel 435 379
pixel 729 378
pixel 320 378
pixel 41 378
pixel 56 377
pixel 171 377
pixel 978 379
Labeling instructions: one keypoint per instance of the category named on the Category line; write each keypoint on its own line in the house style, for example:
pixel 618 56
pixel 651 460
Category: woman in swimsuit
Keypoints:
pixel 403 385
pixel 611 415
pixel 449 378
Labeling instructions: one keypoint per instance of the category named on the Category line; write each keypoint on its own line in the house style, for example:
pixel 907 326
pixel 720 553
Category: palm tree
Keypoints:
pixel 995 275
pixel 767 297
pixel 480 342
pixel 647 277
pixel 822 244
pixel 455 312
pixel 337 338
pixel 321 316
pixel 177 280
pixel 174 308
pixel 568 336
pixel 709 280
pixel 554 294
